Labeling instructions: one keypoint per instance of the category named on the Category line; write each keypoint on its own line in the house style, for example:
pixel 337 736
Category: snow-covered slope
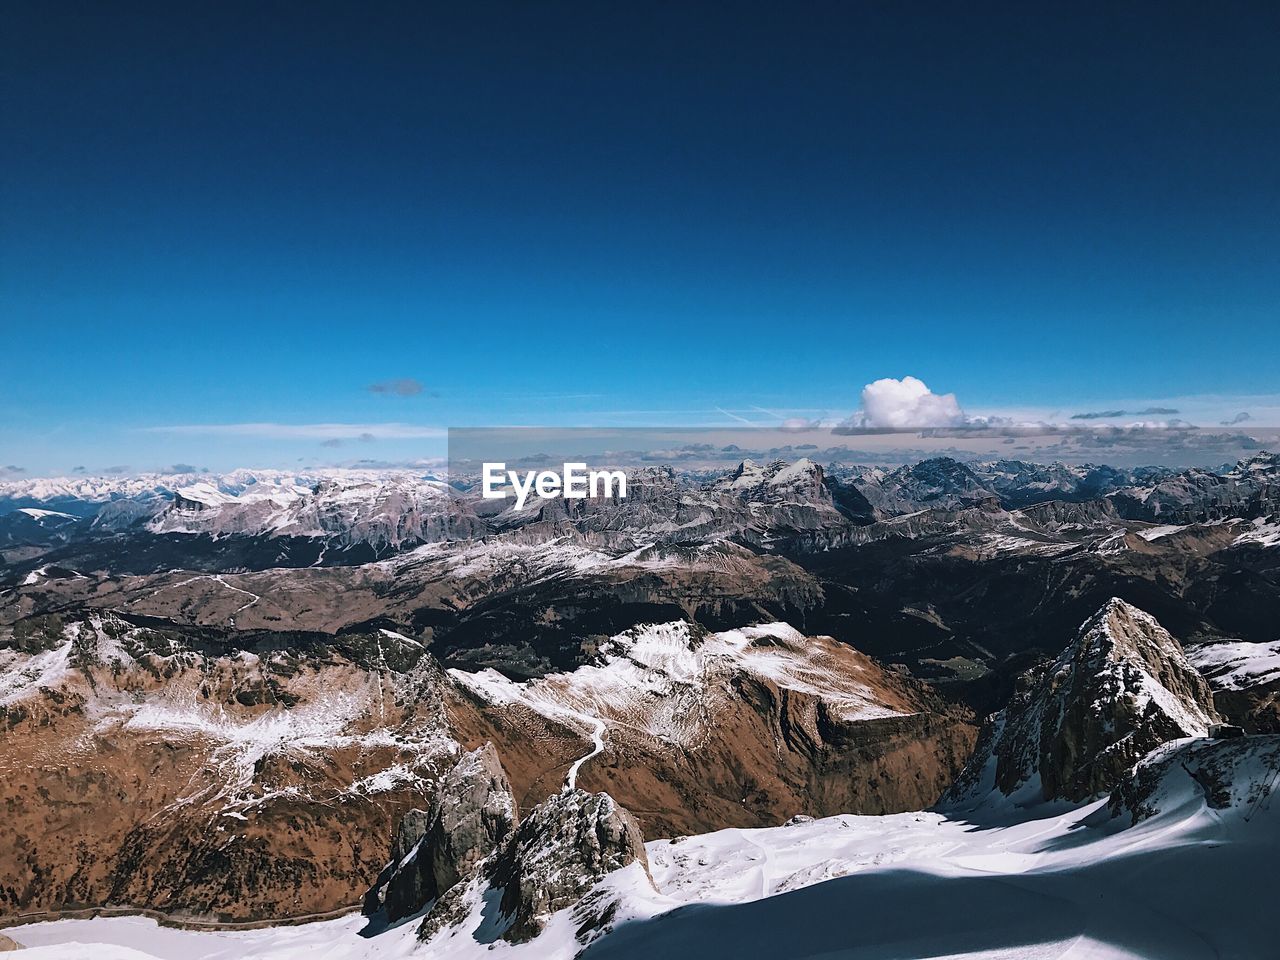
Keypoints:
pixel 668 681
pixel 150 486
pixel 1237 664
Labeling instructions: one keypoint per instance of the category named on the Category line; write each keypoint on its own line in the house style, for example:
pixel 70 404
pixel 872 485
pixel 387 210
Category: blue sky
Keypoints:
pixel 585 214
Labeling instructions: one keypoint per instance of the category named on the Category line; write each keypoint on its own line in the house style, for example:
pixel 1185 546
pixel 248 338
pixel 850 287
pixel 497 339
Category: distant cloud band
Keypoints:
pixel 305 431
pixel 401 387
pixel 1112 414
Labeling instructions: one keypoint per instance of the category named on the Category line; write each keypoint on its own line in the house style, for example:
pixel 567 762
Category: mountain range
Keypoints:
pixel 693 719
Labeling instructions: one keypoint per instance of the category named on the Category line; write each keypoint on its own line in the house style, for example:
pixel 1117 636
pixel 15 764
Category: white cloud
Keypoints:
pixel 305 431
pixel 907 404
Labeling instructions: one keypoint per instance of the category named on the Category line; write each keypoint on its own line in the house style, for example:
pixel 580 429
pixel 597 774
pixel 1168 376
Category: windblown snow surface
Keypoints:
pixel 1190 881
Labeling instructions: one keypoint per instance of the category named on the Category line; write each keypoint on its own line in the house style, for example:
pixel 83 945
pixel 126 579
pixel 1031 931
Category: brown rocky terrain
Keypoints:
pixel 186 775
pixel 227 787
pixel 703 731
pixel 234 713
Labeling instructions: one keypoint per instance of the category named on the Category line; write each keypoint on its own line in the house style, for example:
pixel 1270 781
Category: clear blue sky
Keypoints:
pixel 581 213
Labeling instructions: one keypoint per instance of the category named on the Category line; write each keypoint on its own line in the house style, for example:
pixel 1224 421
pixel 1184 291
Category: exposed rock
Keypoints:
pixel 7 945
pixel 1020 483
pixel 1249 489
pixel 558 853
pixel 471 813
pixel 1076 726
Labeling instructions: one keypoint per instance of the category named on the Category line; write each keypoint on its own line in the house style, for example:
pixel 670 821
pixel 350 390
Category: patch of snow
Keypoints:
pixel 665 682
pixel 1164 530
pixel 1264 532
pixel 37 514
pixel 22 674
pixel 1237 664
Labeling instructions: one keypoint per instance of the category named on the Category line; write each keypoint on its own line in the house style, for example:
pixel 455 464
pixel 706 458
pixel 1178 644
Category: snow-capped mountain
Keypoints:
pixel 382 512
pixel 1075 726
pixel 937 483
pixel 32 526
pixel 1249 489
pixel 82 494
pixel 779 505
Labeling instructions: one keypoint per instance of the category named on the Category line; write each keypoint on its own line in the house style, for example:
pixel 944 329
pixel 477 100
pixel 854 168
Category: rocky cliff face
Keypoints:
pixel 773 504
pixel 559 852
pixel 472 812
pixel 557 855
pixel 1249 489
pixel 1076 726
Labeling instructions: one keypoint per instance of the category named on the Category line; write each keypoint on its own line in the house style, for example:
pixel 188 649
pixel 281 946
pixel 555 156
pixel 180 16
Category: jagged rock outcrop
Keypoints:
pixel 1076 726
pixel 1056 514
pixel 776 503
pixel 558 853
pixel 472 812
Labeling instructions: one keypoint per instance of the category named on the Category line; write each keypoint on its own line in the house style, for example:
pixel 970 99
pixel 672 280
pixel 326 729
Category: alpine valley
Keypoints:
pixel 991 709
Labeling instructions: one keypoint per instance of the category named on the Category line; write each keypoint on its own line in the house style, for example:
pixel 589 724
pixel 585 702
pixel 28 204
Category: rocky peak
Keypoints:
pixel 557 855
pixel 472 812
pixel 939 482
pixel 1076 726
pixel 750 477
